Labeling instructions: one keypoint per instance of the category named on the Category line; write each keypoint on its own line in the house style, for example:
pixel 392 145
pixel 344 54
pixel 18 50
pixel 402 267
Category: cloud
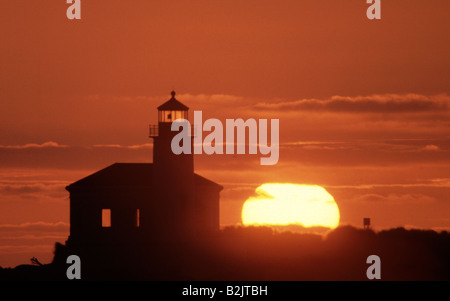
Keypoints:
pixel 431 147
pixel 317 145
pixel 35 145
pixel 52 144
pixel 208 99
pixel 440 182
pixel 33 227
pixel 90 157
pixel 193 101
pixel 408 198
pixel 33 190
pixel 432 183
pixel 20 242
pixel 383 103
pixel 136 146
pixel 20 189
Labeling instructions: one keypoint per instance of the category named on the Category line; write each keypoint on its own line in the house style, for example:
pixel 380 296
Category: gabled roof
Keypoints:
pixel 118 174
pixel 173 105
pixel 199 180
pixel 127 174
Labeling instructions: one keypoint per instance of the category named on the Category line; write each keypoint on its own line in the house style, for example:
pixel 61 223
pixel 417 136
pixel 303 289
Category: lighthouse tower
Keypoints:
pixel 164 160
pixel 172 173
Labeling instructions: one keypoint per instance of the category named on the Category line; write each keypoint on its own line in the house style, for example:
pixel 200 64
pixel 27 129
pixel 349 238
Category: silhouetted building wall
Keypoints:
pixel 128 203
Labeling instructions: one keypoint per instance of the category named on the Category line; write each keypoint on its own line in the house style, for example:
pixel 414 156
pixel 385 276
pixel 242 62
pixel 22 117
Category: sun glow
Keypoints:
pixel 287 204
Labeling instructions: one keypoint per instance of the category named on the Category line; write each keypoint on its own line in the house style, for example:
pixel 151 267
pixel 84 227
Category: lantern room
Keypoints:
pixel 172 110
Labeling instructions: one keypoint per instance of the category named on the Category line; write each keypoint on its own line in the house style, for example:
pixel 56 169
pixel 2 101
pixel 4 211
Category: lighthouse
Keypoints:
pixel 140 203
pixel 174 173
pixel 167 164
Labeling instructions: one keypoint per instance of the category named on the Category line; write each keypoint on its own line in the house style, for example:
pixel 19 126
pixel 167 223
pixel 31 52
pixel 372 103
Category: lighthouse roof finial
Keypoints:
pixel 173 93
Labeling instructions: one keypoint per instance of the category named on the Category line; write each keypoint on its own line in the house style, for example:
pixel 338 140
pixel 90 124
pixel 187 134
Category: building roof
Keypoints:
pixel 127 174
pixel 173 105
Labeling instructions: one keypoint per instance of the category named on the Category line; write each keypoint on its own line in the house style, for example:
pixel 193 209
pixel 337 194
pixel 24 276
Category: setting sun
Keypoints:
pixel 287 204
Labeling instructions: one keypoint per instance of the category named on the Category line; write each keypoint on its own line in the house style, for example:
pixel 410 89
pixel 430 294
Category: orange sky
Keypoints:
pixel 364 106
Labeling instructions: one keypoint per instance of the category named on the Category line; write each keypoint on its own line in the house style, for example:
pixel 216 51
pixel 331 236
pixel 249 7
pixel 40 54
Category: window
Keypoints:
pixel 170 116
pixel 138 218
pixel 106 218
